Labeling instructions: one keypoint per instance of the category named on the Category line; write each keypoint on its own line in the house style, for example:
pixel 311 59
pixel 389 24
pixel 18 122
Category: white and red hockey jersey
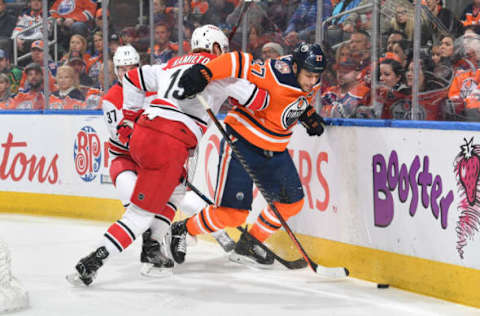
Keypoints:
pixel 164 80
pixel 112 113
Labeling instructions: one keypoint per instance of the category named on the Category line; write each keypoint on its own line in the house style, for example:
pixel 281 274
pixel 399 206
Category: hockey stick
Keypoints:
pixel 292 265
pixel 242 13
pixel 336 272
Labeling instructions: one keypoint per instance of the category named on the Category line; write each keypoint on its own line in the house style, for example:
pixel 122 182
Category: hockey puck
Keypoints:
pixel 383 286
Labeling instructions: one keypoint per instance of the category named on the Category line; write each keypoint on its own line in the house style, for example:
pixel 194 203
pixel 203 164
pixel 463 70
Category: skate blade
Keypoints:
pixel 234 257
pixel 74 279
pixel 150 271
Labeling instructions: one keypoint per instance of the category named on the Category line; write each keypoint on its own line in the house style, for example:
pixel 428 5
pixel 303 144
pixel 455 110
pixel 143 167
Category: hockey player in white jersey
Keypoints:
pixel 154 258
pixel 164 135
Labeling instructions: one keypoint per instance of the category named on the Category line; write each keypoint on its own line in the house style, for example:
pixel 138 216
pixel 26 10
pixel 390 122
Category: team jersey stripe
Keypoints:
pixel 210 218
pixel 163 219
pixel 261 218
pixel 240 65
pixel 204 222
pixel 252 97
pixel 132 235
pixel 195 118
pixel 234 63
pixel 113 241
pixel 117 144
pixel 247 125
pixel 250 118
pixel 131 82
pixel 246 64
pixel 142 81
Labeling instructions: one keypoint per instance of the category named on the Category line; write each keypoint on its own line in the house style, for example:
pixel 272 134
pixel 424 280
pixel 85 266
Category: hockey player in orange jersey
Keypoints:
pixel 159 138
pixel 261 135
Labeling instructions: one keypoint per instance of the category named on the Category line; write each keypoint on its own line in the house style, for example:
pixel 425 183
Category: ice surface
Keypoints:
pixel 45 249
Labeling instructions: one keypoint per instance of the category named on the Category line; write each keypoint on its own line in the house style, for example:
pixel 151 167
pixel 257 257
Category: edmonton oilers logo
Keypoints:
pixel 87 153
pixel 293 111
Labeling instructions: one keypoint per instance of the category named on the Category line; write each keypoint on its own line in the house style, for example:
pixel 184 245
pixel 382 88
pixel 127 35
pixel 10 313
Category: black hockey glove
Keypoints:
pixel 312 122
pixel 194 80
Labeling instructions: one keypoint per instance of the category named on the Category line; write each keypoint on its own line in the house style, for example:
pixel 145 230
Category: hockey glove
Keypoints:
pixel 125 126
pixel 194 80
pixel 312 121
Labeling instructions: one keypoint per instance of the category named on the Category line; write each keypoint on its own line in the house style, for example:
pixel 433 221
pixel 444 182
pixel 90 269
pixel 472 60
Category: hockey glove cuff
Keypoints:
pixel 125 126
pixel 312 122
pixel 194 80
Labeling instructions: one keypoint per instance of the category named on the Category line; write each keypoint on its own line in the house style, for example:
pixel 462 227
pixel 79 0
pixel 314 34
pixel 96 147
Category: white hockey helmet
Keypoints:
pixel 207 35
pixel 125 55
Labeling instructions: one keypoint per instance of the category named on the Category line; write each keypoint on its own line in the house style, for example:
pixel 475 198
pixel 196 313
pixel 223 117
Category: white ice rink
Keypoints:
pixel 44 250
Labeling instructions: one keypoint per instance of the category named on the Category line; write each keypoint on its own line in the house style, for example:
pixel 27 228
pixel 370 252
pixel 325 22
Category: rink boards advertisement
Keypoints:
pixel 58 160
pixel 394 205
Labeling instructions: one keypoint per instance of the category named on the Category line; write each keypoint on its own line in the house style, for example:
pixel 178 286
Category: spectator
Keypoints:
pixel 350 22
pixel 391 88
pixel 446 17
pixel 162 50
pixel 436 54
pixel 128 35
pixel 433 93
pixel 32 97
pixel 113 43
pixel 77 62
pixel 68 96
pixel 13 73
pixel 255 40
pixel 470 15
pixel 37 51
pixel 5 93
pixel 343 52
pixel 447 47
pixel 94 95
pixel 96 60
pixel 271 50
pixel 98 27
pixel 7 21
pixel 32 15
pixel 67 12
pixel 395 37
pixel 403 21
pixel 303 22
pixel 360 47
pixel 404 52
pixel 343 99
pixel 78 45
pixel 217 12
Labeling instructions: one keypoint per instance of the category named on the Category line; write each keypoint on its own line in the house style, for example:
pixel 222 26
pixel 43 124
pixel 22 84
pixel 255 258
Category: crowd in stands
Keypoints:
pixel 447 77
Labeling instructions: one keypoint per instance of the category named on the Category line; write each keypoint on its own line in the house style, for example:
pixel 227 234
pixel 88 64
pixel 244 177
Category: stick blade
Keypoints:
pixel 294 265
pixel 335 273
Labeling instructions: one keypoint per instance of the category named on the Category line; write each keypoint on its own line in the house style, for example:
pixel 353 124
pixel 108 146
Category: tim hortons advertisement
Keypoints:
pixel 408 191
pixel 55 155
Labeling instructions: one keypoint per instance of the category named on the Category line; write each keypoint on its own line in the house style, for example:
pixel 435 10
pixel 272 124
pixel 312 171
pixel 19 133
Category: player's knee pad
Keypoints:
pixel 137 220
pixel 119 165
pixel 231 217
pixel 289 210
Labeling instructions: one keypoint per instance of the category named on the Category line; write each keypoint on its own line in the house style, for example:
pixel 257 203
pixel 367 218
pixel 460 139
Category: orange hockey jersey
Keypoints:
pixel 269 127
pixel 77 10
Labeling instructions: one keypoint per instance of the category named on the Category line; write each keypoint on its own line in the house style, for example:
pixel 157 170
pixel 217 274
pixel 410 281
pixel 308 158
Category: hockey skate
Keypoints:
pixel 87 267
pixel 178 244
pixel 224 240
pixel 247 252
pixel 155 257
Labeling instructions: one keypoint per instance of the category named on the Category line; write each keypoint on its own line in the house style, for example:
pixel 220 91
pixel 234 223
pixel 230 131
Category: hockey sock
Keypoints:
pixel 212 219
pixel 124 231
pixel 267 222
pixel 265 225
